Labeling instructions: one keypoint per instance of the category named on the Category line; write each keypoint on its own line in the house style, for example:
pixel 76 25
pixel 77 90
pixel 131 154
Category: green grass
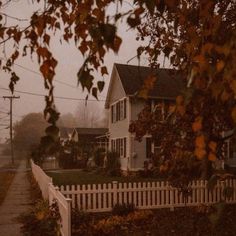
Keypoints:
pixel 78 177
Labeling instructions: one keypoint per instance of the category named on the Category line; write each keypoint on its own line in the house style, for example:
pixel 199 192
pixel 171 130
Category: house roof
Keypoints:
pixel 168 85
pixel 169 82
pixel 91 131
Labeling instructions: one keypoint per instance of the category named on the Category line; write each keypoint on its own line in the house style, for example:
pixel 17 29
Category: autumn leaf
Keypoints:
pixel 212 156
pixel 220 65
pixel 179 100
pixel 95 92
pixel 212 145
pixel 200 153
pixel 104 70
pixel 100 85
pixel 181 109
pixel 200 141
pixel 197 124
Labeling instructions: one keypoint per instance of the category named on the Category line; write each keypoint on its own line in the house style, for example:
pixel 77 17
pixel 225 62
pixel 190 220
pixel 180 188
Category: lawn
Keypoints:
pixel 78 177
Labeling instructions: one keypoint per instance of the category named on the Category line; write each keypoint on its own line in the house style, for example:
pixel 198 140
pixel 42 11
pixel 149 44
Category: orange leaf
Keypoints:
pixel 180 109
pixel 179 100
pixel 200 153
pixel 212 145
pixel 211 156
pixel 220 65
pixel 200 141
pixel 197 124
pixel 116 44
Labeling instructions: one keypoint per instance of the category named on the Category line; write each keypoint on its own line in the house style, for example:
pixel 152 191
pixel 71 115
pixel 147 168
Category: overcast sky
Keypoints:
pixel 69 62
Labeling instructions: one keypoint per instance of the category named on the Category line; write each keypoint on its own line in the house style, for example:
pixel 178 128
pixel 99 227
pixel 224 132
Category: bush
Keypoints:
pixel 42 219
pixel 113 164
pixel 99 156
pixel 79 218
pixel 123 209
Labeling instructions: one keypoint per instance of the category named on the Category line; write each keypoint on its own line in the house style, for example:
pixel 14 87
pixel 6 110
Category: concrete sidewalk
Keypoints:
pixel 17 201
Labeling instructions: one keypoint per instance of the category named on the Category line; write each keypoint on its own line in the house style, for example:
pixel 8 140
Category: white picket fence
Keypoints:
pixel 145 195
pixel 42 179
pixel 51 193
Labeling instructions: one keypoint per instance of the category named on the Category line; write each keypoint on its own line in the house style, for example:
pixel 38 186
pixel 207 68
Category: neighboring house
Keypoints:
pixel 88 139
pixel 65 133
pixel 124 105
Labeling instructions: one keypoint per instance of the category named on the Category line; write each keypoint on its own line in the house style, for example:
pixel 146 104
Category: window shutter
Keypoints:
pixel 124 147
pixel 112 115
pixel 124 108
pixel 121 147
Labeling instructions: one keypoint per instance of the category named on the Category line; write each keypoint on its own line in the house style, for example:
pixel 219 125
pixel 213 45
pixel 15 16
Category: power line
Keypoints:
pixel 37 73
pixel 58 97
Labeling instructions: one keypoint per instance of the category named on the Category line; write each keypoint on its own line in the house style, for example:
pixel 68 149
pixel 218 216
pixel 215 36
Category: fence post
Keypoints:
pixel 68 200
pixel 171 198
pixel 115 192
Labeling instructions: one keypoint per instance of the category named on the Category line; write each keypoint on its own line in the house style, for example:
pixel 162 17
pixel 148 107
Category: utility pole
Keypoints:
pixel 11 98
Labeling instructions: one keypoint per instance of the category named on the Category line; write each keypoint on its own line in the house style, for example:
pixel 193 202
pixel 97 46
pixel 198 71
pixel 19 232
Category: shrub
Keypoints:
pixel 113 164
pixel 123 209
pixel 99 157
pixel 42 219
pixel 121 225
pixel 79 218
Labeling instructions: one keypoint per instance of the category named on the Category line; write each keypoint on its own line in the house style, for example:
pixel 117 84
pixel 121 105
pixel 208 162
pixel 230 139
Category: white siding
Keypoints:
pixel 118 129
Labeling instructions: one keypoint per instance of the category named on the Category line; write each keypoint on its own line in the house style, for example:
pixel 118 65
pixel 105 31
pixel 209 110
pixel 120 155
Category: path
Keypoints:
pixel 16 202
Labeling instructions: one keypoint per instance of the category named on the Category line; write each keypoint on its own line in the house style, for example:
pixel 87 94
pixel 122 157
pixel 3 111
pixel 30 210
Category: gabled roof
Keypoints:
pixel 169 82
pixel 168 85
pixel 91 131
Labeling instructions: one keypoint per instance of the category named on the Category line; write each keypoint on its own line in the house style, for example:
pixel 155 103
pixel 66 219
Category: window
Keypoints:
pixel 118 111
pixel 119 146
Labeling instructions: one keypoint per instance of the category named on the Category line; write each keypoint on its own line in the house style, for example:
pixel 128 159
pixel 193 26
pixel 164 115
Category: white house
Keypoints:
pixel 124 105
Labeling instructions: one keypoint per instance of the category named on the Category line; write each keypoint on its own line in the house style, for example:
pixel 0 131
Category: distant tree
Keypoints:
pixel 67 120
pixel 91 114
pixel 29 130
